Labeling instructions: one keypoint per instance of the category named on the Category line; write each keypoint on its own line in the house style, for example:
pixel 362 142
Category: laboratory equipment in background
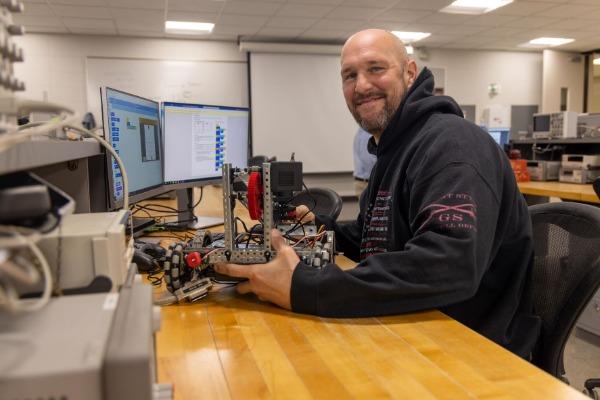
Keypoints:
pixel 94 347
pixel 541 170
pixel 559 125
pixel 588 125
pixel 579 168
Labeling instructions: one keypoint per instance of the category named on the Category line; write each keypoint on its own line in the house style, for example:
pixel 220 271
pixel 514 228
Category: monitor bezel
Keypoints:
pixel 541 115
pixel 141 194
pixel 197 182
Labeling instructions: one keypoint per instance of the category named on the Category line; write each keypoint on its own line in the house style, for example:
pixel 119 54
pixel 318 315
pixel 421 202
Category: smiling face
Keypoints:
pixel 376 74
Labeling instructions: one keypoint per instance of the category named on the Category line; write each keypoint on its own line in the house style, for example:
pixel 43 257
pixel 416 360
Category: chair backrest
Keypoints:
pixel 322 201
pixel 596 186
pixel 565 276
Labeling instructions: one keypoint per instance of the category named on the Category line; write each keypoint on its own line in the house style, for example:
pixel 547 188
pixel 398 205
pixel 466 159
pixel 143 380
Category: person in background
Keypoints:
pixel 442 224
pixel 363 160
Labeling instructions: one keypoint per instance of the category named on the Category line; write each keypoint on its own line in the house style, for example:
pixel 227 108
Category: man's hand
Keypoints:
pixel 303 212
pixel 271 281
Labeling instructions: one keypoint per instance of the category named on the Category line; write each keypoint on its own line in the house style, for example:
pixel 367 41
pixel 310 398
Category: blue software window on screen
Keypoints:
pixel 135 136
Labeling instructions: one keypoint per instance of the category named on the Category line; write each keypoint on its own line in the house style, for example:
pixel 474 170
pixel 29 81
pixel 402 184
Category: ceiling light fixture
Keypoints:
pixel 596 61
pixel 411 50
pixel 410 37
pixel 186 27
pixel 547 42
pixel 474 6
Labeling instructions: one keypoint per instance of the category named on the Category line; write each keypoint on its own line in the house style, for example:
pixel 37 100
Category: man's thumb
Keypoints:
pixel 277 240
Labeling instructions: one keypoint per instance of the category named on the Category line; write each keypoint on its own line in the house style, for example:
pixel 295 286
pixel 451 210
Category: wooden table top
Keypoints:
pixel 229 346
pixel 567 191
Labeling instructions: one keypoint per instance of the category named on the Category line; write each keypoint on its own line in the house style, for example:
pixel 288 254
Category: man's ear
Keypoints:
pixel 411 72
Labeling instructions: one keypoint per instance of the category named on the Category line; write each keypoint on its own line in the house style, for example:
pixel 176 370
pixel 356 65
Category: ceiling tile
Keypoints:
pixel 286 22
pixel 79 2
pixel 491 20
pixel 304 10
pixel 94 31
pixel 448 19
pixel 568 11
pixel 354 13
pixel 585 2
pixel 291 33
pixel 197 5
pixel 531 22
pixel 251 8
pixel 425 27
pixel 398 15
pixel 431 5
pixel 142 20
pixel 502 32
pixel 438 39
pixel 370 3
pixel 242 20
pixel 338 24
pixel 30 20
pixel 461 29
pixel 37 9
pixel 88 23
pixel 574 24
pixel 141 5
pixel 221 29
pixel 81 11
pixel 141 33
pixel 524 8
pixel 335 34
pixel 192 16
pixel 46 29
pixel 324 2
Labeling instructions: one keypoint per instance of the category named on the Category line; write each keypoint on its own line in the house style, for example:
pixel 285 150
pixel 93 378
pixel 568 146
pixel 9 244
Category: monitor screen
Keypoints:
pixel 541 123
pixel 199 139
pixel 500 136
pixel 132 125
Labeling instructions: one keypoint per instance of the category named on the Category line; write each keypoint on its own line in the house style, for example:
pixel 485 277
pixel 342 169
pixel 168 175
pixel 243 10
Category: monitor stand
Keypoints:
pixel 185 220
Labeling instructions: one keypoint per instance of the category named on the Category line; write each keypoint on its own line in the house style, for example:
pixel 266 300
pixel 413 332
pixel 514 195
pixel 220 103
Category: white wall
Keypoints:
pixel 561 71
pixel 469 73
pixel 54 67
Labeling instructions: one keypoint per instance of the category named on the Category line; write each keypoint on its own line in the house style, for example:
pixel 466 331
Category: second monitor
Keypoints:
pixel 198 140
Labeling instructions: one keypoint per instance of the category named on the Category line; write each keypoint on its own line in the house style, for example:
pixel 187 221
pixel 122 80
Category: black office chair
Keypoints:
pixel 596 186
pixel 565 276
pixel 321 201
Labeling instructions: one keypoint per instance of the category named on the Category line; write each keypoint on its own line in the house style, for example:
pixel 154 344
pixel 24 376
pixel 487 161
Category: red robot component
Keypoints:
pixel 255 195
pixel 193 259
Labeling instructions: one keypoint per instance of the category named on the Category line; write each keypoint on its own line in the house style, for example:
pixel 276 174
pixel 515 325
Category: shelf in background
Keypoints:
pixel 558 141
pixel 38 153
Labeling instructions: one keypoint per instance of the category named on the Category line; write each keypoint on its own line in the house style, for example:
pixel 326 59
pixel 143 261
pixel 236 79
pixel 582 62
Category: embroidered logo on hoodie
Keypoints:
pixel 375 230
pixel 453 211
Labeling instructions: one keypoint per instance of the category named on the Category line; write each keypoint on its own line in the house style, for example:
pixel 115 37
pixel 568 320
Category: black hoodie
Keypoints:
pixel 442 225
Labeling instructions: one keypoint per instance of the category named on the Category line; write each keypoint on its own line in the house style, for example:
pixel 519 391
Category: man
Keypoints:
pixel 442 223
pixel 363 160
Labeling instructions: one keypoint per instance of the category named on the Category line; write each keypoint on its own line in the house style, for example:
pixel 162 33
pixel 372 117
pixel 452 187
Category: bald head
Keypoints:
pixel 376 74
pixel 380 39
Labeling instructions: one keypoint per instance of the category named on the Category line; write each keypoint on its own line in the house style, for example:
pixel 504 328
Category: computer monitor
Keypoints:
pixel 198 140
pixel 132 127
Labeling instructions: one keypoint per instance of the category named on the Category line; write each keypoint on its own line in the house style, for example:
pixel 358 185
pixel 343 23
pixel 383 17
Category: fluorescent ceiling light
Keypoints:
pixel 474 6
pixel 596 61
pixel 186 27
pixel 411 37
pixel 547 42
pixel 410 50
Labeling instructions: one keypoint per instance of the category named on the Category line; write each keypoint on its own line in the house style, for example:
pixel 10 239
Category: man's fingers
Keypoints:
pixel 277 240
pixel 234 270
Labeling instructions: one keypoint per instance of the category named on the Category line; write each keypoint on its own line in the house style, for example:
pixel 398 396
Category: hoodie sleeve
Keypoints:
pixel 452 216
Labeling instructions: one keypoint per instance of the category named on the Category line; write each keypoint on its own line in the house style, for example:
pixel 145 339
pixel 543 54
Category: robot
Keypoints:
pixel 268 192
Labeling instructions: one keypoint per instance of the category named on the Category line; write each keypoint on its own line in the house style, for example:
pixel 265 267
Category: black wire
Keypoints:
pixel 151 206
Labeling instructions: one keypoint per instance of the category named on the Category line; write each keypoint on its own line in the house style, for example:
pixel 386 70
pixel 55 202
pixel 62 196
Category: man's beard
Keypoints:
pixel 383 118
